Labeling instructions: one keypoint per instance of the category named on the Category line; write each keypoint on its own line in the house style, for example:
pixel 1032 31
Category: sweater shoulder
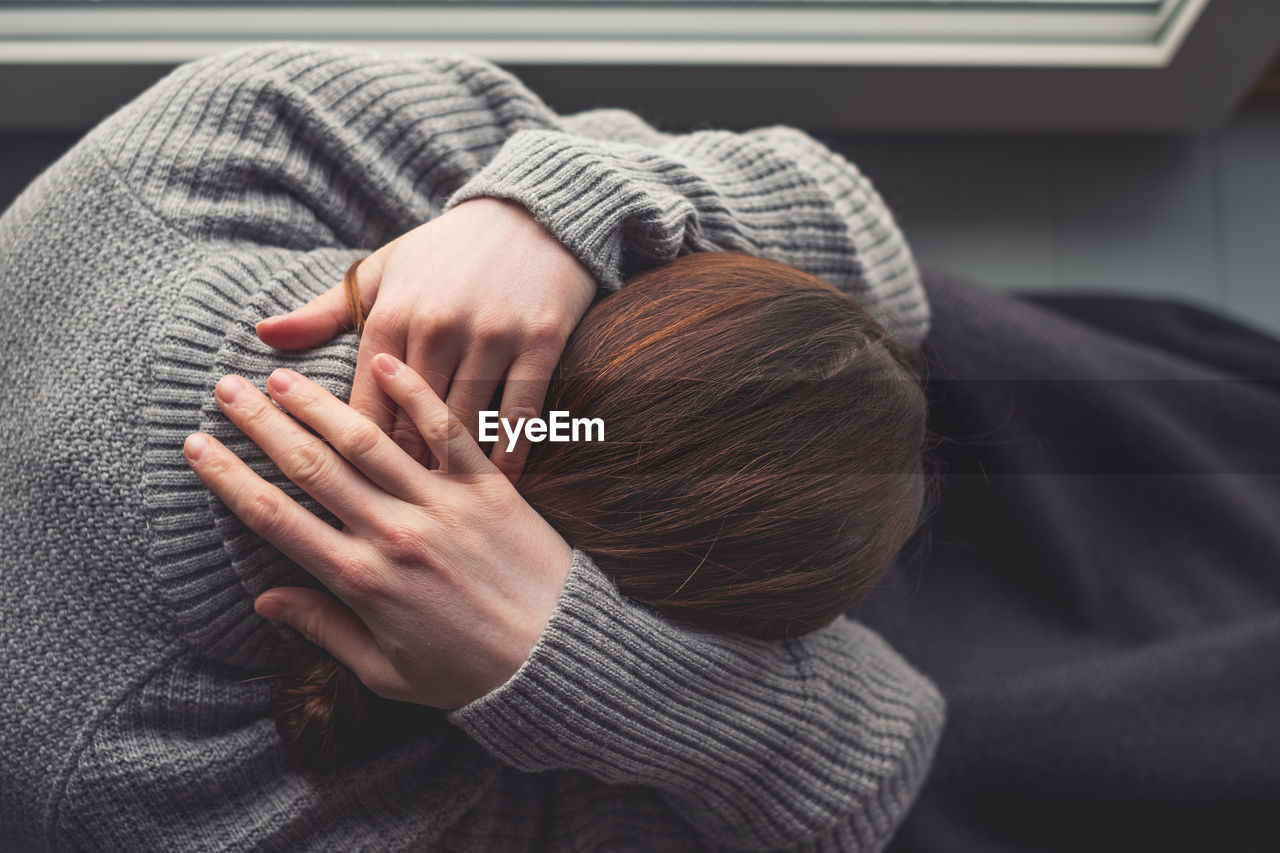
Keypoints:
pixel 303 145
pixel 208 567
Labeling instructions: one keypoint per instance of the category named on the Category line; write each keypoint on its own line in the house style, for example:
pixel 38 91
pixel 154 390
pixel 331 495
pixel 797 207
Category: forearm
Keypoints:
pixel 624 198
pixel 758 745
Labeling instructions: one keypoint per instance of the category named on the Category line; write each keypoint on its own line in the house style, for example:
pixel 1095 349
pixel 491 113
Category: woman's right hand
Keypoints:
pixel 444 579
pixel 481 295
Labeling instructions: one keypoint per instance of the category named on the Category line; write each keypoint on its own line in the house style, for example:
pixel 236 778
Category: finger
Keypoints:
pixel 263 508
pixel 434 354
pixel 428 348
pixel 408 440
pixel 385 331
pixel 331 625
pixel 444 433
pixel 320 320
pixel 353 435
pixel 366 276
pixel 330 313
pixel 522 397
pixel 304 458
pixel 474 382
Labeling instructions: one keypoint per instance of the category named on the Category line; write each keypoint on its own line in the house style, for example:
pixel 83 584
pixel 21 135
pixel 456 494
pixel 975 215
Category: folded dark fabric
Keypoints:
pixel 1098 593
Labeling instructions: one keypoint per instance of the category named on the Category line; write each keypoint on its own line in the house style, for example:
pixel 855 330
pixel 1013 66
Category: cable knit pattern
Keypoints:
pixel 135 710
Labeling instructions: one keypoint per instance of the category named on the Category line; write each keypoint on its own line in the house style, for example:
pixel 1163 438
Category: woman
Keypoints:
pixel 762 467
pixel 135 271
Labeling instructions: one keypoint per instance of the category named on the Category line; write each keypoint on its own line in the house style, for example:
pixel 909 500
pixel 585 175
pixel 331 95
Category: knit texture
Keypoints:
pixel 132 272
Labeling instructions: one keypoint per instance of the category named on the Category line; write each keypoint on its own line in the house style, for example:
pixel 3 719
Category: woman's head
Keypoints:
pixel 762 465
pixel 764 442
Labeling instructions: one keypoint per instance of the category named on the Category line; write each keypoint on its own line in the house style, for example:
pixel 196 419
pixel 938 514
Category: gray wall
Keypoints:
pixel 1194 217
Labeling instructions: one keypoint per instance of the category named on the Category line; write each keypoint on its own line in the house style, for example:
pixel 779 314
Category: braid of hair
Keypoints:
pixel 328 720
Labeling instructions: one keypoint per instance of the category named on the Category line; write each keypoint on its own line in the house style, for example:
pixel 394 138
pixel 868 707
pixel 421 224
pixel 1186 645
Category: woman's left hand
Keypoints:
pixel 448 576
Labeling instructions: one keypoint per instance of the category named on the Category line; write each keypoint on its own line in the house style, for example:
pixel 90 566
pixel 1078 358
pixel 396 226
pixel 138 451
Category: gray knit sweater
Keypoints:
pixel 132 715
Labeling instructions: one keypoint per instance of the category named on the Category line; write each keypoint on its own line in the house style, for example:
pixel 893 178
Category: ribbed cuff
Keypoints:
pixel 888 279
pixel 570 188
pixel 208 566
pixel 758 744
pixel 615 125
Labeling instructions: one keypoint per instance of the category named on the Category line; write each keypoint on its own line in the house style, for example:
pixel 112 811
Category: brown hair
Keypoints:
pixel 763 464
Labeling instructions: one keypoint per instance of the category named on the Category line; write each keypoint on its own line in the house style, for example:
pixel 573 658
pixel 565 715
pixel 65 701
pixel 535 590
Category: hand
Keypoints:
pixel 483 294
pixel 448 576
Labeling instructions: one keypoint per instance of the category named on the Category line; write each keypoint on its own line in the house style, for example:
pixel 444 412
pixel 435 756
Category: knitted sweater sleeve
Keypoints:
pixel 625 197
pixel 816 743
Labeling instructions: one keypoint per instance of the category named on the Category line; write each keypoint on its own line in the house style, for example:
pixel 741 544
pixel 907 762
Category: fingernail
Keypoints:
pixel 386 363
pixel 269 607
pixel 282 380
pixel 195 445
pixel 228 388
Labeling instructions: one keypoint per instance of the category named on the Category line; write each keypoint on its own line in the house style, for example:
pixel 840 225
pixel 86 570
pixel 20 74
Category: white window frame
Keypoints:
pixel 1139 33
pixel 1152 66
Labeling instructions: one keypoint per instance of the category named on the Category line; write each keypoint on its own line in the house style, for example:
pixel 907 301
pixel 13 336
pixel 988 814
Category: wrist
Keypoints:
pixel 524 619
pixel 569 187
pixel 569 268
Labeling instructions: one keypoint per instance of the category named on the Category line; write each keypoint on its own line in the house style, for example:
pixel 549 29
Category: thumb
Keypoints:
pixel 318 321
pixel 324 317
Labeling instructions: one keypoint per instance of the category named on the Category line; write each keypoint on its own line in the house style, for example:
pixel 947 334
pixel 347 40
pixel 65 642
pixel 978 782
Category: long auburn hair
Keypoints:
pixel 763 464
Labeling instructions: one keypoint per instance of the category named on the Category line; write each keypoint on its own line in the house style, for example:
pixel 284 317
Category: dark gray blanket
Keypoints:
pixel 1098 593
